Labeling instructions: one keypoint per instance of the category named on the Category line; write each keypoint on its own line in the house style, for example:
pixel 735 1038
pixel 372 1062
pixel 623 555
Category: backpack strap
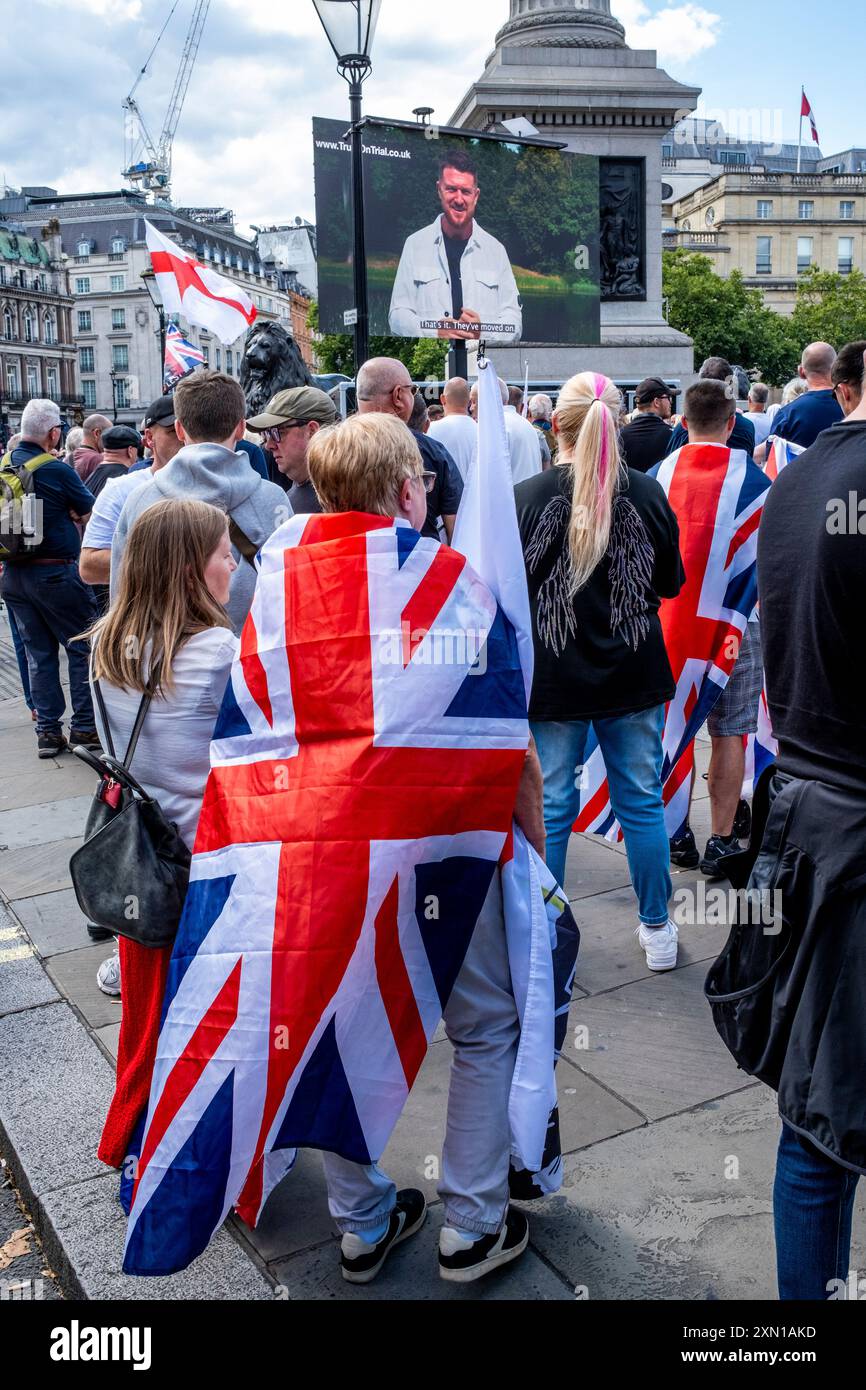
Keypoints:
pixel 242 543
pixel 137 727
pixel 30 466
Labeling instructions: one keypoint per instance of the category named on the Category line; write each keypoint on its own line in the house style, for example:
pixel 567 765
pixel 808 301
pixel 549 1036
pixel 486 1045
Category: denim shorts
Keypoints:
pixel 737 710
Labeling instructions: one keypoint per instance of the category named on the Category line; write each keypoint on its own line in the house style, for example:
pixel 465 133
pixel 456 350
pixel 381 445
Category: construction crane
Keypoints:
pixel 147 164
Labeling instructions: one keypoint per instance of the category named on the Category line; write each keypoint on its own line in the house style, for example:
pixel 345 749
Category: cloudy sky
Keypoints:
pixel 264 69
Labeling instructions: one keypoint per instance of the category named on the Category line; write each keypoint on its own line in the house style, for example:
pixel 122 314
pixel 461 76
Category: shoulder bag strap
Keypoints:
pixel 104 712
pixel 242 543
pixel 137 727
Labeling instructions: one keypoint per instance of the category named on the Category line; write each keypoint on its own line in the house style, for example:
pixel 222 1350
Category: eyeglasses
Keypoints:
pixel 273 436
pixel 407 386
pixel 428 480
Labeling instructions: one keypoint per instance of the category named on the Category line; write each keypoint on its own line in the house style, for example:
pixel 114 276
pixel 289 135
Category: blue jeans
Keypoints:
pixel 632 748
pixel 21 658
pixel 51 605
pixel 813 1207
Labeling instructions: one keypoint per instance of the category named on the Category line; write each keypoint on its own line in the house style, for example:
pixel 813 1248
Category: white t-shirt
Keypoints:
pixel 524 446
pixel 172 760
pixel 459 435
pixel 109 504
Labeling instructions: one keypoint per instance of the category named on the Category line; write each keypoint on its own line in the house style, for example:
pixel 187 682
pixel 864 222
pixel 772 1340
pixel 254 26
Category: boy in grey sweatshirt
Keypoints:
pixel 210 406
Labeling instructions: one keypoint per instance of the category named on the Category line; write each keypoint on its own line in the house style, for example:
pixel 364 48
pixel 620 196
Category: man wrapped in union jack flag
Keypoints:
pixel 711 630
pixel 346 888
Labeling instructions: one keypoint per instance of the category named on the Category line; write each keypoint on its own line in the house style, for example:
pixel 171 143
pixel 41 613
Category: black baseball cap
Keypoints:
pixel 651 388
pixel 160 412
pixel 121 437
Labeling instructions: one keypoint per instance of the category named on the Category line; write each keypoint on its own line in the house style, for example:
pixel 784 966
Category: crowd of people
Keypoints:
pixel 145 573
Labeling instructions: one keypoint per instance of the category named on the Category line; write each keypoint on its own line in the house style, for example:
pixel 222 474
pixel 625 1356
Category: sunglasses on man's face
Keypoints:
pixel 273 436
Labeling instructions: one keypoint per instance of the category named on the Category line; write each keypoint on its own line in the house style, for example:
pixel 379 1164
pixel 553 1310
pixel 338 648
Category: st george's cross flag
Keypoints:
pixel 181 357
pixel 717 495
pixel 194 290
pixel 540 930
pixel 780 453
pixel 364 771
pixel 806 110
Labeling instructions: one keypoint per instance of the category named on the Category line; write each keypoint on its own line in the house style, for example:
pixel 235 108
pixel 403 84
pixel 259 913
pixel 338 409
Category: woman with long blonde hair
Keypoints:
pixel 601 546
pixel 168 636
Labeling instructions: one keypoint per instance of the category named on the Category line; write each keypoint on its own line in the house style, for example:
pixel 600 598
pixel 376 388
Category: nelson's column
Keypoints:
pixel 566 68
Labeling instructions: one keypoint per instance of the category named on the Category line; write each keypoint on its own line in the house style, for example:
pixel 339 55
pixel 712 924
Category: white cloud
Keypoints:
pixel 678 32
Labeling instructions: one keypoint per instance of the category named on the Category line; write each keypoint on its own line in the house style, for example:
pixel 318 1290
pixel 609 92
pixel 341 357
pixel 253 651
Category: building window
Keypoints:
pixel 205 350
pixel 53 386
pixel 846 211
pixel 764 258
pixel 732 157
pixel 82 284
pixel 85 322
pixel 804 254
pixel 118 246
pixel 30 334
pixel 846 255
pixel 118 283
pixel 219 359
pixel 13 384
pixel 118 319
pixel 86 359
pixel 121 392
pixel 229 363
pixel 765 209
pixel 49 330
pixel 806 210
pixel 32 382
pixel 120 357
pixel 8 323
pixel 83 248
pixel 88 390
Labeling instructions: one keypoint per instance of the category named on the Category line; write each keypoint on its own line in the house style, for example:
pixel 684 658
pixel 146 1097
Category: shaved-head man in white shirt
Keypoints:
pixel 457 430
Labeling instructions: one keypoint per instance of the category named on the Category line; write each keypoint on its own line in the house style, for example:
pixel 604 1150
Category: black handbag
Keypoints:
pixel 131 875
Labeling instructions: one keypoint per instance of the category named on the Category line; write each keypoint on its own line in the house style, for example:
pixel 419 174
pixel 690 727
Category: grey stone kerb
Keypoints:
pixel 554 24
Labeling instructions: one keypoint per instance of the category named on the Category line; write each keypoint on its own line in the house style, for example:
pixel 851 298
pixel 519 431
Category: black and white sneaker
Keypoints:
pixel 719 847
pixel 461 1261
pixel 360 1261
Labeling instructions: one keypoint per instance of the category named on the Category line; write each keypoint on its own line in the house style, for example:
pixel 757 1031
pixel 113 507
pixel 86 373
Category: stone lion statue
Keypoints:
pixel 271 362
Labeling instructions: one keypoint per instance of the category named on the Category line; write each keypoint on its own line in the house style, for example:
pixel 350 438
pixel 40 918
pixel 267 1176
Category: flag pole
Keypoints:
pixel 800 143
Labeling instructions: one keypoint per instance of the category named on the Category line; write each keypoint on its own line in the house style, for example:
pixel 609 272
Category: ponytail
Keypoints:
pixel 586 417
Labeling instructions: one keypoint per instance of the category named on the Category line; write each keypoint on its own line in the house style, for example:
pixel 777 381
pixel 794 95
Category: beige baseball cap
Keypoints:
pixel 298 403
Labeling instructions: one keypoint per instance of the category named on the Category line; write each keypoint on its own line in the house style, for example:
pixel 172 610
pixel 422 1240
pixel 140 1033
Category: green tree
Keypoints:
pixel 335 352
pixel 727 319
pixel 830 308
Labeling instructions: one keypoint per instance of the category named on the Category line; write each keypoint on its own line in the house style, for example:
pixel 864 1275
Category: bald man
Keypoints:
pixel 809 415
pixel 457 431
pixel 88 456
pixel 385 387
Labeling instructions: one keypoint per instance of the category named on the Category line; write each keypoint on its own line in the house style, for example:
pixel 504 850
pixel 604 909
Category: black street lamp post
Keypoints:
pixel 113 375
pixel 350 26
pixel 149 279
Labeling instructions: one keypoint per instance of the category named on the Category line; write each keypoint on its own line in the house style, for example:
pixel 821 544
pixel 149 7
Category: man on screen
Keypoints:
pixel 454 279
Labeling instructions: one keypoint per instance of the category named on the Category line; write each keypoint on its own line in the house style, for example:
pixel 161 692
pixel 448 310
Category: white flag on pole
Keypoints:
pixel 194 290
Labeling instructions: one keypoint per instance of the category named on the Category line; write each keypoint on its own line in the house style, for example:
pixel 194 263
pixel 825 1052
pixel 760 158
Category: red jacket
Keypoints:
pixel 87 460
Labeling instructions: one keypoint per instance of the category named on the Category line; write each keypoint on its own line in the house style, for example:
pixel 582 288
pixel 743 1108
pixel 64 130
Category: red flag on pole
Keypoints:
pixel 806 110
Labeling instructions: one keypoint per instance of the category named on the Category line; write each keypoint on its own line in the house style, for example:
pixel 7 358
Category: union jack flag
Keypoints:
pixel 780 453
pixel 718 496
pixel 181 357
pixel 363 778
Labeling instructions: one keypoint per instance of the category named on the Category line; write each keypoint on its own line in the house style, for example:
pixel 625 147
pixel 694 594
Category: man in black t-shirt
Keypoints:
pixel 120 447
pixel 385 388
pixel 645 441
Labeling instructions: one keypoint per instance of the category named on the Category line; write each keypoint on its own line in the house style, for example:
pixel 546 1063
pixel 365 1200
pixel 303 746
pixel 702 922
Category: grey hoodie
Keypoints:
pixel 210 473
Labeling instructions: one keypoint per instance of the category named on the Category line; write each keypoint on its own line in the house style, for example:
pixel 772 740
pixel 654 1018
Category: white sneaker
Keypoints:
pixel 660 944
pixel 108 976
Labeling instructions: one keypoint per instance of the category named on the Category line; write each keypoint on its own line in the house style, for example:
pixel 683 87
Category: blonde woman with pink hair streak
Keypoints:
pixel 601 547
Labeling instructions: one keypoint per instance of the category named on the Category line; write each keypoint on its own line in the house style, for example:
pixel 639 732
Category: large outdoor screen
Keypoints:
pixel 467 236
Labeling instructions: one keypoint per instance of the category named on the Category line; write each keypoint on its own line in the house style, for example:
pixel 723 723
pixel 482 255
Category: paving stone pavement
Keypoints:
pixel 669 1148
